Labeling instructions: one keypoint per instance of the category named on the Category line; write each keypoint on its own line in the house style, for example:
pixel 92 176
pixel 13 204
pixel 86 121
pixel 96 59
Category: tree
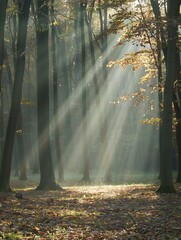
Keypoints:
pixel 21 155
pixel 148 33
pixel 86 176
pixel 47 177
pixel 77 43
pixel 56 123
pixel 103 15
pixel 177 107
pixel 176 95
pixel 166 144
pixel 23 15
pixel 3 5
pixel 64 93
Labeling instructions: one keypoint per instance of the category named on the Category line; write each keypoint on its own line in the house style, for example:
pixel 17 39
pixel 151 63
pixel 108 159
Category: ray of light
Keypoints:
pixel 119 137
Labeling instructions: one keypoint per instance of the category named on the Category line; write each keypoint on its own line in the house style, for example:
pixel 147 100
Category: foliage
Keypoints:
pixel 152 121
pixel 140 59
pixel 137 26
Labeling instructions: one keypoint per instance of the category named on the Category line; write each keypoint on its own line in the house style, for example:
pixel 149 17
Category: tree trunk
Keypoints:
pixel 178 139
pixel 177 107
pixel 177 94
pixel 160 47
pixel 166 185
pixel 86 177
pixel 77 60
pixel 66 127
pixel 5 170
pixel 47 177
pixel 20 143
pixel 102 121
pixel 3 5
pixel 56 123
pixel 105 145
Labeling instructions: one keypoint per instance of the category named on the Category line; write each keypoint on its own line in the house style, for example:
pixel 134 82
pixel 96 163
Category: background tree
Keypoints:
pixel 3 5
pixel 103 18
pixel 65 90
pixel 47 177
pixel 56 122
pixel 86 177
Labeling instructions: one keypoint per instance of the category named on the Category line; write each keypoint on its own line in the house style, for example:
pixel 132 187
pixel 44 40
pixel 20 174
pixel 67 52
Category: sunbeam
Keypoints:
pixel 125 131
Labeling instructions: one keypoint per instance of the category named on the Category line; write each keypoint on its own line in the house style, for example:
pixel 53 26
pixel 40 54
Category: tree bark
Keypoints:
pixel 5 170
pixel 66 126
pixel 3 5
pixel 47 177
pixel 86 177
pixel 105 144
pixel 177 93
pixel 56 122
pixel 20 143
pixel 166 185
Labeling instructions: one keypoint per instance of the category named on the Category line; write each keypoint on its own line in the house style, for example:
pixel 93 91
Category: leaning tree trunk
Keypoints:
pixel 47 177
pixel 166 185
pixel 5 170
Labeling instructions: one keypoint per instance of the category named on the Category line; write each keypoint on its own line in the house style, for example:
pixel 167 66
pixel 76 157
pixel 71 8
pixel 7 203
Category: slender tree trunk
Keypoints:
pixel 66 127
pixel 86 177
pixel 77 60
pixel 3 5
pixel 5 170
pixel 160 46
pixel 47 177
pixel 93 61
pixel 105 145
pixel 102 121
pixel 56 127
pixel 13 34
pixel 35 163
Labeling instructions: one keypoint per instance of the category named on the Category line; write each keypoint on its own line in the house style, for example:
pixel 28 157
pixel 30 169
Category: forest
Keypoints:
pixel 90 119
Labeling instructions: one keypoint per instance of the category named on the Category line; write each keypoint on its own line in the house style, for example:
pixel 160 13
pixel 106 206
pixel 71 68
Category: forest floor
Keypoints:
pixel 91 213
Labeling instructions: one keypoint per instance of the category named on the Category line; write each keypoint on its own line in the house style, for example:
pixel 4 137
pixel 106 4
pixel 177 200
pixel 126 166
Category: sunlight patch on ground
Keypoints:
pixel 102 212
